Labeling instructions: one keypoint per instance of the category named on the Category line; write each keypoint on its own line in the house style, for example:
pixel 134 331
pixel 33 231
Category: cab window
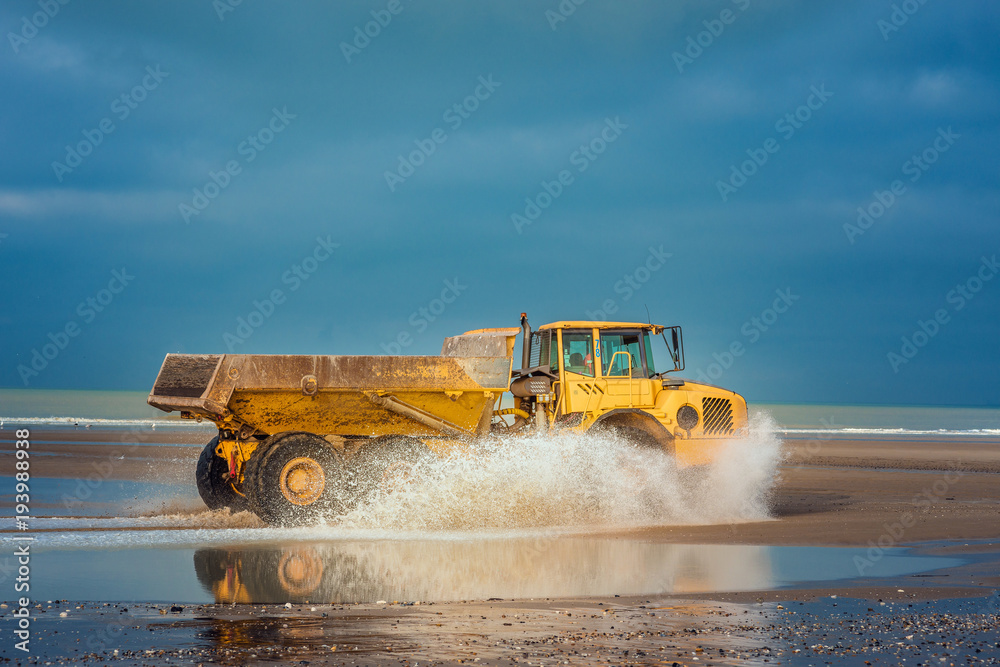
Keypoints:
pixel 543 349
pixel 578 352
pixel 650 369
pixel 613 342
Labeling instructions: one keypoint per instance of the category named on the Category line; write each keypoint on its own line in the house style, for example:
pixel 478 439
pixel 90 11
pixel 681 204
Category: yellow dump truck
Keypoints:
pixel 303 437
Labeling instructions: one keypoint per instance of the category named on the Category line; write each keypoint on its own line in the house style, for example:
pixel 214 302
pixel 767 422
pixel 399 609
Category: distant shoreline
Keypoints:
pixel 796 432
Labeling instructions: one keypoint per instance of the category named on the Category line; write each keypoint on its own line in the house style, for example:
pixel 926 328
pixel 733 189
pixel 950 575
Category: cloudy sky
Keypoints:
pixel 809 189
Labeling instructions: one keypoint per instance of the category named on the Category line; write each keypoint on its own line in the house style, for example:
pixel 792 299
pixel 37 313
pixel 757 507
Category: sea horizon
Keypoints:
pixel 122 407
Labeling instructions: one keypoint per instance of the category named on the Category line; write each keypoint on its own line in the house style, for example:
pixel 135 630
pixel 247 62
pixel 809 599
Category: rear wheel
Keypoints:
pixel 214 485
pixel 295 478
pixel 386 465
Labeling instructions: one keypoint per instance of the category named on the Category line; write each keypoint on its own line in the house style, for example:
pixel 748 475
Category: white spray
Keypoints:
pixel 579 481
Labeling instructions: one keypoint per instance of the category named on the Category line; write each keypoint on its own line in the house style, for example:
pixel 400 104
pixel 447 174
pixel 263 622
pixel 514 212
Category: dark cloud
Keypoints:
pixel 655 185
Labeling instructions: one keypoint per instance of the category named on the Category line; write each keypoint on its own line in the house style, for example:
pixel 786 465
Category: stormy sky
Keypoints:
pixel 809 189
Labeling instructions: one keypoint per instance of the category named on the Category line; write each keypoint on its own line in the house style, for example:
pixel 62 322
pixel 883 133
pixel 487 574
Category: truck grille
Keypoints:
pixel 186 375
pixel 718 414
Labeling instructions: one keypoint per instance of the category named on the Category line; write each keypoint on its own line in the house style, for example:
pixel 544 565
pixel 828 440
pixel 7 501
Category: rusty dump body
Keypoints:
pixel 349 396
pixel 303 437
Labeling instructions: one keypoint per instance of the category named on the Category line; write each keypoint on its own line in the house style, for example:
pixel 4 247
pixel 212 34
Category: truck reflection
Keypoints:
pixel 463 569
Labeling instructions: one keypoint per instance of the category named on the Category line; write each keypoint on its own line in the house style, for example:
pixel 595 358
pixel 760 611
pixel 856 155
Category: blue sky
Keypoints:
pixel 706 160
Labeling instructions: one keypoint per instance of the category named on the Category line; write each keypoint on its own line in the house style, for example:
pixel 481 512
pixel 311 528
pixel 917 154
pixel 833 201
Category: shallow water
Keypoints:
pixel 58 496
pixel 453 567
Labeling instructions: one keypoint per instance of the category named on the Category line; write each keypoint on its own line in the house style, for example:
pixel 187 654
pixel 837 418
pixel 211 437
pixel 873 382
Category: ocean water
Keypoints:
pixel 70 404
pixel 111 408
pixel 883 420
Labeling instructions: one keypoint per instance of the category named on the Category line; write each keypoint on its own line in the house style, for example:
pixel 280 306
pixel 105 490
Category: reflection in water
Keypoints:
pixel 442 570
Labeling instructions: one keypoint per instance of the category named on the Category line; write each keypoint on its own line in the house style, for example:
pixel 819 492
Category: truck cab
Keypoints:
pixel 604 375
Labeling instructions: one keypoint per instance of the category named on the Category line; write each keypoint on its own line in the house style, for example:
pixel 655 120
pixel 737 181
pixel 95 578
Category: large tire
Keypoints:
pixel 212 478
pixel 633 463
pixel 635 437
pixel 385 464
pixel 295 478
pixel 638 431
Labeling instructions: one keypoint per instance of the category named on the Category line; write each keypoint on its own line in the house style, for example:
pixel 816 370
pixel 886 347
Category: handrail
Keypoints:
pixel 555 404
pixel 611 365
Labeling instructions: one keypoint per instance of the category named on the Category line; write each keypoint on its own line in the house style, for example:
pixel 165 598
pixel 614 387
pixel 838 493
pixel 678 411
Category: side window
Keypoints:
pixel 619 366
pixel 578 352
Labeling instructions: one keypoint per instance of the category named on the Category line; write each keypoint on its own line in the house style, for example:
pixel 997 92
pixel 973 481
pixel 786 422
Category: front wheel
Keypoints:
pixel 295 478
pixel 631 435
pixel 214 484
pixel 636 437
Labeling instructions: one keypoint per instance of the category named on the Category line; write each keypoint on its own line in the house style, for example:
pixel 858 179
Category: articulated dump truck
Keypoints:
pixel 307 437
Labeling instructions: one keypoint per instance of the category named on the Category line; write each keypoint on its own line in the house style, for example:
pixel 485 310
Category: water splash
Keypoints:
pixel 579 480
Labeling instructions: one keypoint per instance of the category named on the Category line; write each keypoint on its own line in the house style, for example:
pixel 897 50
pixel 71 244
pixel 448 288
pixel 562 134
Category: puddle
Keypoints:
pixel 55 497
pixel 355 570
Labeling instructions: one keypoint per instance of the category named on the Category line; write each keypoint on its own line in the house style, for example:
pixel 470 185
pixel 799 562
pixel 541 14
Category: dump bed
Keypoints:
pixel 452 394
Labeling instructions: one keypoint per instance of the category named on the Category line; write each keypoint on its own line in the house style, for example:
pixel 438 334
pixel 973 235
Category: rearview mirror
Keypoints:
pixel 677 349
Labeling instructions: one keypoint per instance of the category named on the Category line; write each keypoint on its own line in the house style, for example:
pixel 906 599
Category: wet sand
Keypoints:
pixel 943 496
pixel 804 630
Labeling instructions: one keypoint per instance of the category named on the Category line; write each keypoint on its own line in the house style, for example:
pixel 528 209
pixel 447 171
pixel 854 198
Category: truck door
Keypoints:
pixel 623 368
pixel 577 359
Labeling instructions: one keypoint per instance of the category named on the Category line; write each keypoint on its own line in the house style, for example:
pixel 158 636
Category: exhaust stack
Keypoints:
pixel 526 343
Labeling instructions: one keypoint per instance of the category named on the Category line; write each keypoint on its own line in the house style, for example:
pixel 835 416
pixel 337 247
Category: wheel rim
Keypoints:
pixel 302 481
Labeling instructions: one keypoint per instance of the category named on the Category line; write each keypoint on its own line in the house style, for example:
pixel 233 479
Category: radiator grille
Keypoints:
pixel 186 375
pixel 718 415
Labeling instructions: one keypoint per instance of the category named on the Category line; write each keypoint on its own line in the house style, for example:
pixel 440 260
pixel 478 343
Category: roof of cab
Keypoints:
pixel 599 325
